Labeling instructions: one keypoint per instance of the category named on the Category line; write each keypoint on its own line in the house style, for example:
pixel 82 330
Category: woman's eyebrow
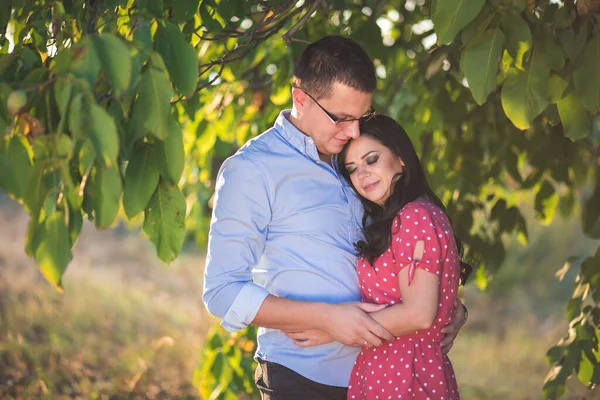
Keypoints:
pixel 366 154
pixel 362 158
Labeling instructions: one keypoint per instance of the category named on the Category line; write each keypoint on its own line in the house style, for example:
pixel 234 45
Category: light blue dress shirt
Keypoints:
pixel 284 223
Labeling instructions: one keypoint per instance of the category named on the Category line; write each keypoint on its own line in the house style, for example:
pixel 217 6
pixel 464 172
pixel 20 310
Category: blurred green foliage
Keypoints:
pixel 110 105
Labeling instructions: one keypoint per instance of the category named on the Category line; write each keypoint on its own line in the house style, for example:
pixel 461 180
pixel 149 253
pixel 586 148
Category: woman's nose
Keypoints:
pixel 363 172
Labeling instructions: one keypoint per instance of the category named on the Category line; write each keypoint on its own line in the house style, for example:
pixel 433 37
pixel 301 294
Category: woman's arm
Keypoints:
pixel 419 304
pixel 417 311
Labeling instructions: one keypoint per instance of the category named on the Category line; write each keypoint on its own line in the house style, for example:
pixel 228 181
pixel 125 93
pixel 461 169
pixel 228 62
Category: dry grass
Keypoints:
pixel 499 357
pixel 126 326
pixel 130 327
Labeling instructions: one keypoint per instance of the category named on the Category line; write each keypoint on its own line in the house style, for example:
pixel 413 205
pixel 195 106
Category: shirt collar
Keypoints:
pixel 294 136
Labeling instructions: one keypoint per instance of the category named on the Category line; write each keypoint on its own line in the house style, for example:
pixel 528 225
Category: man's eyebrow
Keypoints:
pixel 344 115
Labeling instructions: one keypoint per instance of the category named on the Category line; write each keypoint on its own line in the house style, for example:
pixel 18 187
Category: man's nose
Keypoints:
pixel 352 130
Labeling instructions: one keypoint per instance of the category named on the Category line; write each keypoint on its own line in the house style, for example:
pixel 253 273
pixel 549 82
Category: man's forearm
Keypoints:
pixel 286 314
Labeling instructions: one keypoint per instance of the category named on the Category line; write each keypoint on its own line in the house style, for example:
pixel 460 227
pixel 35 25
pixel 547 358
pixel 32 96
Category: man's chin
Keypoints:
pixel 336 149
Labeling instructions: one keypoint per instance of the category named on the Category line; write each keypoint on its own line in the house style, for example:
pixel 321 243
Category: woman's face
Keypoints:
pixel 372 168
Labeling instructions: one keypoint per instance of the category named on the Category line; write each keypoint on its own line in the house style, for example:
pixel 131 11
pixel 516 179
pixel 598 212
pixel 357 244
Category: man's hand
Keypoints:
pixel 350 324
pixel 451 330
pixel 309 337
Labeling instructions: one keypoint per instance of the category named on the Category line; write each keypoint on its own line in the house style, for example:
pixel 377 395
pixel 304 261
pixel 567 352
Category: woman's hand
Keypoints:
pixel 309 337
pixel 452 329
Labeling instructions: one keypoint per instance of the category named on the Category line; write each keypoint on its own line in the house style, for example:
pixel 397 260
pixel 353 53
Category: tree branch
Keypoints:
pixel 287 37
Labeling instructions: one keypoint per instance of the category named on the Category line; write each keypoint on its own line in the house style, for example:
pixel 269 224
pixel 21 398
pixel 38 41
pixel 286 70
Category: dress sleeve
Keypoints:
pixel 417 223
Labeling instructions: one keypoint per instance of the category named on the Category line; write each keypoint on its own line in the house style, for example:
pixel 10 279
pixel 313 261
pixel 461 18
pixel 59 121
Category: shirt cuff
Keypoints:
pixel 244 308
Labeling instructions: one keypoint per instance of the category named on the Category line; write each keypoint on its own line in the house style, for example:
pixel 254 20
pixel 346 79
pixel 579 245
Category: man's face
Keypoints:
pixel 345 102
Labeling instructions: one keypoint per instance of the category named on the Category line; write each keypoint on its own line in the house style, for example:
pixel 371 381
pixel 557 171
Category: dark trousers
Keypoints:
pixel 276 382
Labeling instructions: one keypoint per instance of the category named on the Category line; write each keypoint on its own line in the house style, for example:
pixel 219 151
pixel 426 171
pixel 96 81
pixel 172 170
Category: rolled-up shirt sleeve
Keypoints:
pixel 236 241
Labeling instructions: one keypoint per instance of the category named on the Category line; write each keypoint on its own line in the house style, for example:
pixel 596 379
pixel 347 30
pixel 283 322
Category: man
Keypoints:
pixel 281 250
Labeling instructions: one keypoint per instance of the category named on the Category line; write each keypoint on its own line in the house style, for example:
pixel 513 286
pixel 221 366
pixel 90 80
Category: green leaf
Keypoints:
pixel 111 4
pixel 576 121
pixel 450 16
pixel 75 225
pixel 63 90
pixel 516 5
pixel 566 204
pixel 179 56
pixel 152 109
pixel 525 95
pixel 15 165
pixel 49 205
pixel 164 221
pixel 62 145
pixel 575 47
pixel 586 370
pixel 518 36
pixel 32 238
pixel 53 252
pixel 141 179
pixel 481 278
pixel 556 88
pixel 172 154
pixel 479 24
pixel 87 157
pixel 555 354
pixel 480 63
pixel 586 75
pixel 554 386
pixel 5 8
pixel 36 190
pixel 104 135
pixel 573 308
pixel 209 18
pixel 106 189
pixel 115 61
pixel 546 201
pixel 143 34
pixel 184 10
pixel 550 49
pixel 85 63
pixel 156 7
pixel 156 62
pixel 77 123
pixel 590 213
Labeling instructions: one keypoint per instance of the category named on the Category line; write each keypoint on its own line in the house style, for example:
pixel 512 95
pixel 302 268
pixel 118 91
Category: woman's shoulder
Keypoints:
pixel 423 206
pixel 422 211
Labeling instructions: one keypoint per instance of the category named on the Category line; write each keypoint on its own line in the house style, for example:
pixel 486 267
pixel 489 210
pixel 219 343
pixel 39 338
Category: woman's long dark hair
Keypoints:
pixel 408 186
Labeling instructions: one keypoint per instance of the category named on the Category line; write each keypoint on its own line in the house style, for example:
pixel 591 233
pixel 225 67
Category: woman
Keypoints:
pixel 409 260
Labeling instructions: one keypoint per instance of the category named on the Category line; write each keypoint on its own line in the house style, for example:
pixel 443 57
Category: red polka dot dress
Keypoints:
pixel 411 366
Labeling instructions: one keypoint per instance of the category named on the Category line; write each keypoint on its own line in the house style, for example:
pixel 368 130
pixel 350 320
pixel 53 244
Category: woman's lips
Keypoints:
pixel 370 186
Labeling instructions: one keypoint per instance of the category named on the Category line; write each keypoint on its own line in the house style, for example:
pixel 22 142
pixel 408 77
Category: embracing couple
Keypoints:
pixel 327 236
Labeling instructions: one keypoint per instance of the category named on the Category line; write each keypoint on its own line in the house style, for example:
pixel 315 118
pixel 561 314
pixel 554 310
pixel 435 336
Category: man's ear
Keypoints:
pixel 299 98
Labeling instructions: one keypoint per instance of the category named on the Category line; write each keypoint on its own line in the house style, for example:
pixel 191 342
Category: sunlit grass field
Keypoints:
pixel 129 327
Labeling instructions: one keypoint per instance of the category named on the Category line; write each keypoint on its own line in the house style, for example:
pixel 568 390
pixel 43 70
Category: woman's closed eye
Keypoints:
pixel 372 159
pixel 350 170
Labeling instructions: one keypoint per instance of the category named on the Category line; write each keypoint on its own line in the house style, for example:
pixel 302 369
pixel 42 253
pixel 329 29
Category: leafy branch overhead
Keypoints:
pixel 89 98
pixel 124 109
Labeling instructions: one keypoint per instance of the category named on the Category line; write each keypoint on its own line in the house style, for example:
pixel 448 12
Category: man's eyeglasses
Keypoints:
pixel 342 122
